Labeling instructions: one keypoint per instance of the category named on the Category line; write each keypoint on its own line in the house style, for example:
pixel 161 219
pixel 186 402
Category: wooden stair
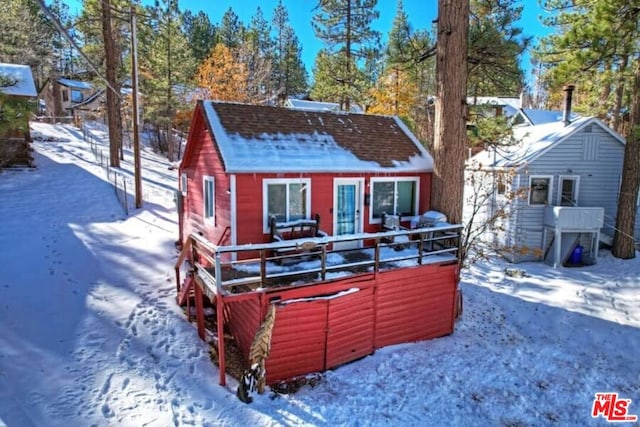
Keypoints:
pixel 186 290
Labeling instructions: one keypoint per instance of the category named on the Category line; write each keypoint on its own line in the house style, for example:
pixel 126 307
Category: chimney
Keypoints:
pixel 566 113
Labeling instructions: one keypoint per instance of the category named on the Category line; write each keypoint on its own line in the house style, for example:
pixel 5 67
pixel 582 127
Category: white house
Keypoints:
pixel 567 176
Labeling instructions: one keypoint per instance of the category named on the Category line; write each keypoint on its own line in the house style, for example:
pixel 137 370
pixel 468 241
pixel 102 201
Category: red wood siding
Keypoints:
pixel 250 201
pixel 349 331
pixel 244 318
pixel 415 304
pixel 397 306
pixel 202 159
pixel 298 340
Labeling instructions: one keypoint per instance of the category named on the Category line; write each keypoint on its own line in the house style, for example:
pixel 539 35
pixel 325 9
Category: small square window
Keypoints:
pixel 539 190
pixel 393 196
pixel 286 200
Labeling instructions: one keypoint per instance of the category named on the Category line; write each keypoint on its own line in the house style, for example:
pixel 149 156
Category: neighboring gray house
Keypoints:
pixel 567 176
pixel 534 117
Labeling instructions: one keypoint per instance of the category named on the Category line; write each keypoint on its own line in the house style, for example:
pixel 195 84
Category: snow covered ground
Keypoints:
pixel 90 333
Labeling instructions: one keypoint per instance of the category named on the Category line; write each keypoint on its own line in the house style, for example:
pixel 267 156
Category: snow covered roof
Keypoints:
pixel 538 117
pixel 535 141
pixel 510 105
pixel 74 84
pixel 300 104
pixel 252 138
pixel 21 74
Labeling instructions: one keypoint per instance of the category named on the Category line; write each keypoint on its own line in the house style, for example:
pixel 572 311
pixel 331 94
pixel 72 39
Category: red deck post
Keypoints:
pixel 220 319
pixel 199 311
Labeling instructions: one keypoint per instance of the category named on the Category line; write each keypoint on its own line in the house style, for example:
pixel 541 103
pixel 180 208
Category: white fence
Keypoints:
pixel 115 177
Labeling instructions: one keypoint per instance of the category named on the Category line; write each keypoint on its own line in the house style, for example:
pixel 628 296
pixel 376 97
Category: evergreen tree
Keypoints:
pixel 231 30
pixel 327 67
pixel 406 85
pixel 495 45
pixel 201 34
pixel 345 28
pixel 64 56
pixel 396 90
pixel 256 51
pixel 450 112
pixel 26 37
pixel 167 67
pixel 289 76
pixel 105 33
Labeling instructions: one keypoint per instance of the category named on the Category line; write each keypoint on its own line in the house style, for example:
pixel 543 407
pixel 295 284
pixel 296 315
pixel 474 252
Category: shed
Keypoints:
pixel 19 89
pixel 568 176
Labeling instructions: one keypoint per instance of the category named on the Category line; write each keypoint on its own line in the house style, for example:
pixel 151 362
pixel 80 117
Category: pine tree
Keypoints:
pixel 327 67
pixel 104 30
pixel 201 34
pixel 345 28
pixel 256 51
pixel 495 45
pixel 450 114
pixel 65 57
pixel 231 30
pixel 289 76
pixel 167 67
pixel 396 90
pixel 26 37
pixel 112 63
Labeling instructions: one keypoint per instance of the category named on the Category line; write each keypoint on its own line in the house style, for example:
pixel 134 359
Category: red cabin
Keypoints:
pixel 250 173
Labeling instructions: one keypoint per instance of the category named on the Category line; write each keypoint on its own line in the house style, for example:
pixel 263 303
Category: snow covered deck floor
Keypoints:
pixel 256 267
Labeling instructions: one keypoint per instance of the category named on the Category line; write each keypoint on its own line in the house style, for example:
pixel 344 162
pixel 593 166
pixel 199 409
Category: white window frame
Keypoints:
pixel 209 218
pixel 502 176
pixel 184 183
pixel 395 180
pixel 549 192
pixel 576 184
pixel 265 201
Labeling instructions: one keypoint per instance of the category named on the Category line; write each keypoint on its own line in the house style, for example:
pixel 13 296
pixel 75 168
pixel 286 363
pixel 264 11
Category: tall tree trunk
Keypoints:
pixel 111 60
pixel 623 239
pixel 451 108
pixel 346 104
pixel 605 90
pixel 616 123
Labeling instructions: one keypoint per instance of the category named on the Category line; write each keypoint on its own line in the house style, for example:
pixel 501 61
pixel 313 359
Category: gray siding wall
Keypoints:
pixel 596 157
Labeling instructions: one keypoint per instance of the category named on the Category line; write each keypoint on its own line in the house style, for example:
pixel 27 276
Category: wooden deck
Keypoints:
pixel 400 291
pixel 266 268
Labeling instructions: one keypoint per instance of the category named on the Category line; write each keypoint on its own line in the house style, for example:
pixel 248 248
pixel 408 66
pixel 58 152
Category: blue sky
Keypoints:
pixel 421 14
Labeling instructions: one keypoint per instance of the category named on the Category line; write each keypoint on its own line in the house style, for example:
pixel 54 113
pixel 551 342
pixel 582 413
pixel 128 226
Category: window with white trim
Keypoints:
pixel 540 190
pixel 286 199
pixel 393 196
pixel 501 184
pixel 568 186
pixel 183 183
pixel 209 198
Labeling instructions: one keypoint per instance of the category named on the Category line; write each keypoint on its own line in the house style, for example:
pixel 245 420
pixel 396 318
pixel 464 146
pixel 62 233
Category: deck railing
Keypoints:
pixel 574 217
pixel 227 270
